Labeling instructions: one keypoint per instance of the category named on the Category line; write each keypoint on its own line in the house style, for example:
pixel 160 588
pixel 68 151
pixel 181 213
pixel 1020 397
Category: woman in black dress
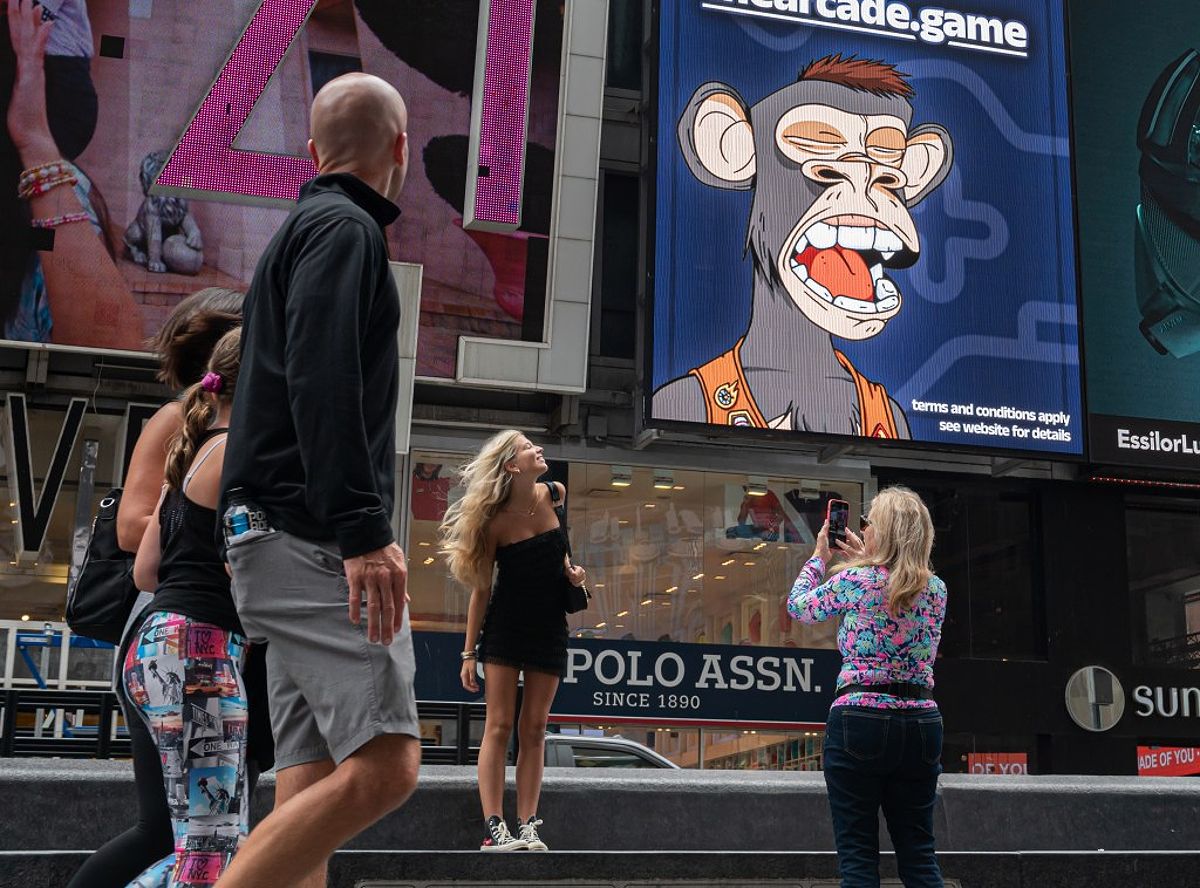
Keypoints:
pixel 505 524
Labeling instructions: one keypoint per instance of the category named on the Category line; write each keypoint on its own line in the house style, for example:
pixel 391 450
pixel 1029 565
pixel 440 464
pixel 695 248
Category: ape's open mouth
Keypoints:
pixel 842 259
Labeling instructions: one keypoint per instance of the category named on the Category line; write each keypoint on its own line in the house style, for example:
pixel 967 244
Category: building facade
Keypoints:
pixel 1057 562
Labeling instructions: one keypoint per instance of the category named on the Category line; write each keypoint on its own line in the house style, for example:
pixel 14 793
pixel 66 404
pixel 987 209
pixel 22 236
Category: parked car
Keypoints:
pixel 579 751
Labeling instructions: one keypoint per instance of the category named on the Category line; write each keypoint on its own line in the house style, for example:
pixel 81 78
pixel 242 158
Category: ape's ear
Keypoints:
pixel 927 161
pixel 716 137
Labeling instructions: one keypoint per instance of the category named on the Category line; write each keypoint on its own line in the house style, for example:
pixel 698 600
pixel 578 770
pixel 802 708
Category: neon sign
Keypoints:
pixel 206 162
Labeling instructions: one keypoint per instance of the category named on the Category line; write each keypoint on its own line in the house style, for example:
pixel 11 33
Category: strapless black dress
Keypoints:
pixel 526 626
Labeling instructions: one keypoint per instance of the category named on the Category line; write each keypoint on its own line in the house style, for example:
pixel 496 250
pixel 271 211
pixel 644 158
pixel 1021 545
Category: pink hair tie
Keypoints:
pixel 212 382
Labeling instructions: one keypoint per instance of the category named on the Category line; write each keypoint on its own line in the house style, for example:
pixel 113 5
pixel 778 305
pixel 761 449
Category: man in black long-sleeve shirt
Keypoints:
pixel 311 456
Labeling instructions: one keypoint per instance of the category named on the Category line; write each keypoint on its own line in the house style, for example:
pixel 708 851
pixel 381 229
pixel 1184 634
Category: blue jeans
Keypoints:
pixel 885 758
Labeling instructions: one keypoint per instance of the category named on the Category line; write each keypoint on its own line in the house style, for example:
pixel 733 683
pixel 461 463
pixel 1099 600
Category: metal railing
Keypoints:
pixel 62 724
pixel 91 724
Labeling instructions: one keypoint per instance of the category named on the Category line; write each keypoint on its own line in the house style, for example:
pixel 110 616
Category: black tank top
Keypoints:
pixel 191 575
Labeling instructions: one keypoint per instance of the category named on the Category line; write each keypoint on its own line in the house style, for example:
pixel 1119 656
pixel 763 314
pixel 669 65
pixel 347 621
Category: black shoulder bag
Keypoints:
pixel 574 598
pixel 101 599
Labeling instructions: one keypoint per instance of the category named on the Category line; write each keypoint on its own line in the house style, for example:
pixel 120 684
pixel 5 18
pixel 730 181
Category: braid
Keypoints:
pixel 197 416
pixel 200 406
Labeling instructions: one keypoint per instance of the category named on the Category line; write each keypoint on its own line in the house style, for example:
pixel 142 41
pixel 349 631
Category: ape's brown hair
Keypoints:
pixel 876 77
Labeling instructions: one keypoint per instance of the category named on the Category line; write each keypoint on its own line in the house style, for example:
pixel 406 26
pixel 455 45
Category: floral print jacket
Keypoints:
pixel 876 647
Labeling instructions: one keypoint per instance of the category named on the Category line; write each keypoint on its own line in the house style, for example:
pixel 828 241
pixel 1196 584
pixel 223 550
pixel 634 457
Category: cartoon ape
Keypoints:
pixel 834 165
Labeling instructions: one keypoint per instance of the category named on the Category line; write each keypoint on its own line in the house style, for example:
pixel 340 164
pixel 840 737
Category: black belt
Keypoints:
pixel 896 689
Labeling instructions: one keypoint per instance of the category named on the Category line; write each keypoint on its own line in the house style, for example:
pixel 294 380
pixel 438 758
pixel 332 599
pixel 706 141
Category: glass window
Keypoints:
pixel 689 556
pixel 761 750
pixel 672 555
pixel 34 588
pixel 1164 577
pixel 625 18
pixel 984 550
pixel 619 244
pixel 719 749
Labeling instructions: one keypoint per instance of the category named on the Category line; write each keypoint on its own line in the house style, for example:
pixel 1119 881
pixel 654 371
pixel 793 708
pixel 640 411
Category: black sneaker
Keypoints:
pixel 529 835
pixel 499 838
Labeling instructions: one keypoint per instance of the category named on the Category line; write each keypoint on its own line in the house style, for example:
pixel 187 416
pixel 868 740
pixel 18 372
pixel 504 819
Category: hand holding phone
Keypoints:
pixel 837 513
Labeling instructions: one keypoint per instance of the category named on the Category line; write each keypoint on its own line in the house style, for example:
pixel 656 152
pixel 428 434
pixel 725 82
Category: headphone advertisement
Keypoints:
pixel 1137 136
pixel 863 222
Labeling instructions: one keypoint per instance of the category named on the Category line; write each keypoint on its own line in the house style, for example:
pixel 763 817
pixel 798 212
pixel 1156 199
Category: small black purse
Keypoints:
pixel 574 598
pixel 102 597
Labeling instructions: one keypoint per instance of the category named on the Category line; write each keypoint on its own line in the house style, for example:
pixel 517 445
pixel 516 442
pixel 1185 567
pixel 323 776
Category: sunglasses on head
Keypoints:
pixel 864 522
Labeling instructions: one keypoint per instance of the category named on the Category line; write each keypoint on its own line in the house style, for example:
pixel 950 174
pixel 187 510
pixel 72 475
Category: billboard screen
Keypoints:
pixel 123 82
pixel 1138 173
pixel 863 222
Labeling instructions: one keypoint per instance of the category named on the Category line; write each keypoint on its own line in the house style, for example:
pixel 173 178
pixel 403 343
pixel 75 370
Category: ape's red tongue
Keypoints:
pixel 841 271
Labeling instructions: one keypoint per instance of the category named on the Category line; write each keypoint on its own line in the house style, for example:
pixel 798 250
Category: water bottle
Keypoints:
pixel 237 516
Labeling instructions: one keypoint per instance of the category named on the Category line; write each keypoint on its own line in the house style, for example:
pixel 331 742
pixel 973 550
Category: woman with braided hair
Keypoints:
pixel 190 636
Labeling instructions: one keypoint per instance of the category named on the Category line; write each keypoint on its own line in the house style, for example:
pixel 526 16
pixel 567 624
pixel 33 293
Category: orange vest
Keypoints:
pixel 728 400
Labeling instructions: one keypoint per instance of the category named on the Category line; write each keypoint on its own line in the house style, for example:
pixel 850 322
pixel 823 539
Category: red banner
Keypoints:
pixel 1006 763
pixel 1168 761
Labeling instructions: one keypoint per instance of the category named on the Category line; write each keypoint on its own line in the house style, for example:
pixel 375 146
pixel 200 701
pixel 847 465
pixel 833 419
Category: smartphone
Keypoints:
pixel 837 513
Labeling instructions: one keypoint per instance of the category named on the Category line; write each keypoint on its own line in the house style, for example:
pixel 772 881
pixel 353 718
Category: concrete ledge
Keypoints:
pixel 625 869
pixel 58 804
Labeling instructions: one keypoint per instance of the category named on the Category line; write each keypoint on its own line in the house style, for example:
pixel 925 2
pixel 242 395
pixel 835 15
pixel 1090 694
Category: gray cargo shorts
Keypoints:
pixel 330 690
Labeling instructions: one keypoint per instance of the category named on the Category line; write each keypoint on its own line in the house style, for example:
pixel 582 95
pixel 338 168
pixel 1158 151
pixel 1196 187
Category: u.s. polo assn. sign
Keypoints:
pixel 638 681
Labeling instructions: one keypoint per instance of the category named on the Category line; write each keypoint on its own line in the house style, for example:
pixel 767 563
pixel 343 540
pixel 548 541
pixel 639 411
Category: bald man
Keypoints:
pixel 307 495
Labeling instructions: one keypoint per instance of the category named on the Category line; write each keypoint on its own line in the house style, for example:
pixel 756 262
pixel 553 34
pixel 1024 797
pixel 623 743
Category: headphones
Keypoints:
pixel 1167 240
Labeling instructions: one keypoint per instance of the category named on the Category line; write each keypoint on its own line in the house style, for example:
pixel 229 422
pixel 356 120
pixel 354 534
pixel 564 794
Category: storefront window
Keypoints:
pixel 1164 577
pixel 687 556
pixel 711 748
pixel 673 556
pixel 33 584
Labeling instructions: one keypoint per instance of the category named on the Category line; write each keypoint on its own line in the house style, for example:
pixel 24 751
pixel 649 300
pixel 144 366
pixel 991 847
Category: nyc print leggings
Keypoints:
pixel 185 678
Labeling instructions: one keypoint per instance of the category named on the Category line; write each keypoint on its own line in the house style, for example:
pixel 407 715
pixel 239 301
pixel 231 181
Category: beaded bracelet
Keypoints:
pixel 41 186
pixel 55 221
pixel 40 179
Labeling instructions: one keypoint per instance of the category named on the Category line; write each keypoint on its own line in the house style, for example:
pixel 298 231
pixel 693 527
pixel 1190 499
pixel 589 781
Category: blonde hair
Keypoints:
pixel 487 488
pixel 903 543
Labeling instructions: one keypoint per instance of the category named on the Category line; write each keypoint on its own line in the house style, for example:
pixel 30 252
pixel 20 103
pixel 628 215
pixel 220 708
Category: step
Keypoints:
pixel 681 869
pixel 61 804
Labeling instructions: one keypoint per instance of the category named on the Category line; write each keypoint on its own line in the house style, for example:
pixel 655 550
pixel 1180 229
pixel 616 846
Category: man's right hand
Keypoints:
pixel 383 576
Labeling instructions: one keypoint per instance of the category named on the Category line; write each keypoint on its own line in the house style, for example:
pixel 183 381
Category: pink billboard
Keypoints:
pixel 221 90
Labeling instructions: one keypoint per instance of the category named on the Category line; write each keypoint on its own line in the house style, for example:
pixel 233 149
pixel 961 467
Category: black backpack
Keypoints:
pixel 101 599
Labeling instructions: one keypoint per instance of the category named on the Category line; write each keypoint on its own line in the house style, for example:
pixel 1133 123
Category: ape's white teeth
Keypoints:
pixel 820 290
pixel 822 236
pixel 887 304
pixel 857 306
pixel 887 254
pixel 887 242
pixel 876 272
pixel 853 238
pixel 885 288
pixel 799 270
pixel 801 245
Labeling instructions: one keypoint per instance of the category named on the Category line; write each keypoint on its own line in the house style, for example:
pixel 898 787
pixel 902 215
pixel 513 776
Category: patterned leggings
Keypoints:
pixel 185 678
